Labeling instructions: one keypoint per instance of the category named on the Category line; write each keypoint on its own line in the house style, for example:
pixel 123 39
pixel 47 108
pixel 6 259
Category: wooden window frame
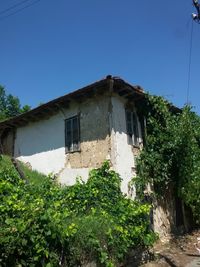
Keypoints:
pixel 132 127
pixel 72 142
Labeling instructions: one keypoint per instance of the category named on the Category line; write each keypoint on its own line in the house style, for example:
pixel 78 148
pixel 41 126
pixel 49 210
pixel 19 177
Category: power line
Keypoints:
pixel 19 10
pixel 13 7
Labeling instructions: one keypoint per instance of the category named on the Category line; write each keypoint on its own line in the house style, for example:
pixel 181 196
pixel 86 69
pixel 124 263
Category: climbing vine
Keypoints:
pixel 171 156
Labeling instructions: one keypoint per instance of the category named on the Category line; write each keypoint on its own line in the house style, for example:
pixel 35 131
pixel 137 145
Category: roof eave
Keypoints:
pixel 52 107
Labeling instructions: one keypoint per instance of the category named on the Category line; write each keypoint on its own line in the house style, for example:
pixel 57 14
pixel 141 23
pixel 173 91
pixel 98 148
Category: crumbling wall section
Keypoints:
pixel 164 215
pixel 95 138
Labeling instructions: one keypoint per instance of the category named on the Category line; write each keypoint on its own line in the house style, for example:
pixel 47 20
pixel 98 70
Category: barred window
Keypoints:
pixel 132 126
pixel 72 134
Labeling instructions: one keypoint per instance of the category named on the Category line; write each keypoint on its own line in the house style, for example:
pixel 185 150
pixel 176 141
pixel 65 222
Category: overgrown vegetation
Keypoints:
pixel 10 105
pixel 44 224
pixel 171 156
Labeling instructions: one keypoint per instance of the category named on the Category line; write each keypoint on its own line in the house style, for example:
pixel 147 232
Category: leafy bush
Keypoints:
pixel 44 224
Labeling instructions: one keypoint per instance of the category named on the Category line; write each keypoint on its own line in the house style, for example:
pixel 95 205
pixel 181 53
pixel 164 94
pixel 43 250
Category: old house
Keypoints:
pixel 72 134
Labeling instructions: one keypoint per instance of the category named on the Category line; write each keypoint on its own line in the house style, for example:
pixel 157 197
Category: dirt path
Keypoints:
pixel 179 252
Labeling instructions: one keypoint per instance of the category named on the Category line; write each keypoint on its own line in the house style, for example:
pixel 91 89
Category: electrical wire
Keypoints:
pixel 19 10
pixel 13 7
pixel 189 65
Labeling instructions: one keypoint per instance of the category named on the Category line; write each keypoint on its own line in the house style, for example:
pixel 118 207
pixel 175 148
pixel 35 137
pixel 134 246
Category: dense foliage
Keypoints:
pixel 171 156
pixel 43 224
pixel 10 105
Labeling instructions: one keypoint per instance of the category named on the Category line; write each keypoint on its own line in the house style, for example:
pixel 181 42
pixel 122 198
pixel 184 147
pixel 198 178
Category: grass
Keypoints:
pixel 5 162
pixel 32 176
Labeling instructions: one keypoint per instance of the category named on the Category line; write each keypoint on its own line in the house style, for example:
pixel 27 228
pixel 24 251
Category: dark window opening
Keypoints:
pixel 72 134
pixel 132 127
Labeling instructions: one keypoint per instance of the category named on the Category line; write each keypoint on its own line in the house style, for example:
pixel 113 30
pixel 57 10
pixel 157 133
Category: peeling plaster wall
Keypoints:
pixel 94 131
pixel 122 156
pixel 42 144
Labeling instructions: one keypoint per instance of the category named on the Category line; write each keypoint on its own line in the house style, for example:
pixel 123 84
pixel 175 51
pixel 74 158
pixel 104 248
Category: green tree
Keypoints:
pixel 171 156
pixel 10 105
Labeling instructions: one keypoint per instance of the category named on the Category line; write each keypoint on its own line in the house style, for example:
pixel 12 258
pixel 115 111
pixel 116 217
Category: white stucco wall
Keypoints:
pixel 69 176
pixel 122 156
pixel 41 144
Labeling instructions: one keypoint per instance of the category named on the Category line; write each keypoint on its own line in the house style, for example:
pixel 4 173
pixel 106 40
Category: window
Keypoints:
pixel 132 127
pixel 72 134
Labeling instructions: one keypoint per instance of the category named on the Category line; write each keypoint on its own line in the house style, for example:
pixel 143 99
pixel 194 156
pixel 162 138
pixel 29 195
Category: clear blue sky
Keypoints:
pixel 54 47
